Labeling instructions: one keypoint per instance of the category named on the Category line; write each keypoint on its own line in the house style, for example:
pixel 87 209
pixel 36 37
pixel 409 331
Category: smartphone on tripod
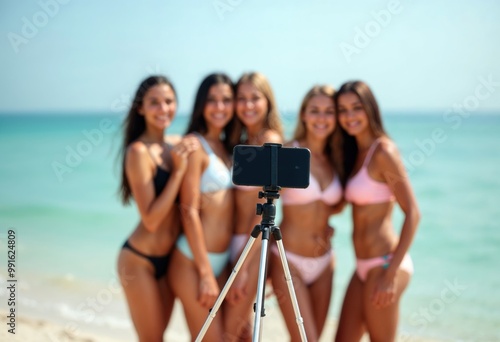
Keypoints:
pixel 273 167
pixel 254 166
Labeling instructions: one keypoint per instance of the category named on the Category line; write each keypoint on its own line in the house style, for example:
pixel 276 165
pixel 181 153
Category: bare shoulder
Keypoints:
pixel 388 146
pixel 137 150
pixel 271 136
pixel 137 160
pixel 199 155
pixel 387 153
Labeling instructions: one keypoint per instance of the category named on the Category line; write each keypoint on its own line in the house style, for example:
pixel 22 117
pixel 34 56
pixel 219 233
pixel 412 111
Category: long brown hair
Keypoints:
pixel 134 125
pixel 300 128
pixel 273 120
pixel 197 123
pixel 345 145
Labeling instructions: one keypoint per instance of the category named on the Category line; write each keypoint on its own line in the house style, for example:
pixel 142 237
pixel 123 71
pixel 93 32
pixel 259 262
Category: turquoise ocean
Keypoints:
pixel 58 183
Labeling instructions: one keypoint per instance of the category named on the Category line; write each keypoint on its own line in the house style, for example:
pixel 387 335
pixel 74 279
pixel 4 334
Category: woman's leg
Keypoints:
pixel 303 298
pixel 239 316
pixel 144 295
pixel 351 323
pixel 321 294
pixel 168 297
pixel 382 323
pixel 184 281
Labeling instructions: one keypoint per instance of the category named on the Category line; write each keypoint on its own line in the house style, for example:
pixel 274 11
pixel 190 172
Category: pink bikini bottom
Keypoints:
pixel 363 266
pixel 310 268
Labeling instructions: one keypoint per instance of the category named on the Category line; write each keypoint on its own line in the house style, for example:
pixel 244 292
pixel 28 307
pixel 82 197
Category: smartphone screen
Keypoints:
pixel 252 166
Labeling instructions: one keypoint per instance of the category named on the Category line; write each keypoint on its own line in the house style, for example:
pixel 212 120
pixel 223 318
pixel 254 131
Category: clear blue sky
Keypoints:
pixel 91 55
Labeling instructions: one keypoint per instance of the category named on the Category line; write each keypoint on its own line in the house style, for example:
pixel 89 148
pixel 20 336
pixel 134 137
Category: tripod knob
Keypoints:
pixel 259 209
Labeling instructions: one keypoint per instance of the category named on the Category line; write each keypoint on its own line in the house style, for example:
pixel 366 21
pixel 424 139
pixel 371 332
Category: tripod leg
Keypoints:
pixel 222 295
pixel 261 283
pixel 291 290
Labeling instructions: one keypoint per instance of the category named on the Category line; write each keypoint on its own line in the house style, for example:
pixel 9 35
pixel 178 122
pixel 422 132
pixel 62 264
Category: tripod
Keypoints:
pixel 266 227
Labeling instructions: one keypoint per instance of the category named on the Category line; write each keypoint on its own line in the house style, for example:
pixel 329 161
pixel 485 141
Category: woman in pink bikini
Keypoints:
pixel 374 178
pixel 258 122
pixel 305 229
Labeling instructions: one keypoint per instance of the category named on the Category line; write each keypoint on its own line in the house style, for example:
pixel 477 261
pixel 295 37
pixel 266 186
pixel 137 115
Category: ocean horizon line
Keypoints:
pixel 390 112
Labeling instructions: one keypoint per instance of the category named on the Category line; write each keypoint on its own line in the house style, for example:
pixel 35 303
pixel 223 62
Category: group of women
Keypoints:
pixel 194 223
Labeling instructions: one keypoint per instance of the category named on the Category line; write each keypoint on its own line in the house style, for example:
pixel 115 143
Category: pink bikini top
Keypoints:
pixel 361 189
pixel 331 195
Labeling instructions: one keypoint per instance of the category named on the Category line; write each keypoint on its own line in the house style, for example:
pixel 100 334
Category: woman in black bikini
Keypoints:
pixel 153 169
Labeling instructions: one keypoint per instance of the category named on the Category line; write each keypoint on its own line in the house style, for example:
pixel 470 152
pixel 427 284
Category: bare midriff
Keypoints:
pixel 305 229
pixel 373 233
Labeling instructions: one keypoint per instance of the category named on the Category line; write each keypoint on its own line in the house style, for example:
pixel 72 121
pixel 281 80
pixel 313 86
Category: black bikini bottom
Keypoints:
pixel 160 263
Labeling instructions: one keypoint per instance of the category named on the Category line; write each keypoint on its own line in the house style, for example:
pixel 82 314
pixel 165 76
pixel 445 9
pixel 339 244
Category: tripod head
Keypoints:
pixel 268 209
pixel 270 192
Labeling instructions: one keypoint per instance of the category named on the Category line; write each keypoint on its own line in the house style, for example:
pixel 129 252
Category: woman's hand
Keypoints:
pixel 384 293
pixel 238 288
pixel 208 291
pixel 181 151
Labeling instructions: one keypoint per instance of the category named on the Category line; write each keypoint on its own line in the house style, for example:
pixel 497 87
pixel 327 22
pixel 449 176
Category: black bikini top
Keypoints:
pixel 160 180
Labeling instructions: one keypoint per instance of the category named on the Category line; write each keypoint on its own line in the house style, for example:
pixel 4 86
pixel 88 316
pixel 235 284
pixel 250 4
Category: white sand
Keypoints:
pixel 36 330
pixel 33 330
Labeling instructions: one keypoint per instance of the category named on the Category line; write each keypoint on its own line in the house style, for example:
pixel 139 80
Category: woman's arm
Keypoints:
pixel 193 228
pixel 393 172
pixel 139 171
pixel 395 176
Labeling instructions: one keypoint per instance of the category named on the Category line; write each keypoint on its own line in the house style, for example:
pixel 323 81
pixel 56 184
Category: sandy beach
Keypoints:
pixel 45 330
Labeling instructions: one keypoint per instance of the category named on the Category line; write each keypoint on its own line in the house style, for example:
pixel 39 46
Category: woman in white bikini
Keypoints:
pixel 207 205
